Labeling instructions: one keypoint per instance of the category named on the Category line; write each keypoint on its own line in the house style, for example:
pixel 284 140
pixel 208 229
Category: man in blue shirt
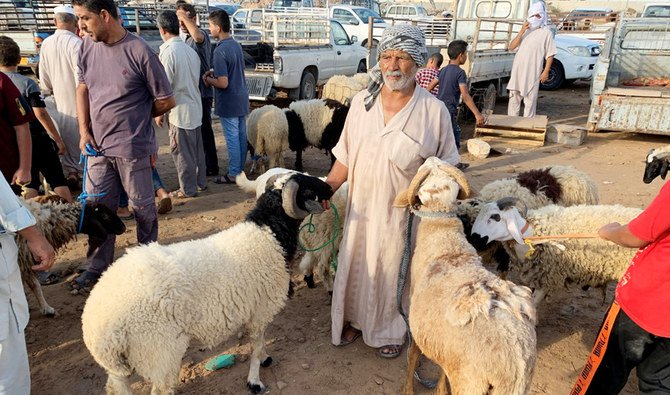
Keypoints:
pixel 230 92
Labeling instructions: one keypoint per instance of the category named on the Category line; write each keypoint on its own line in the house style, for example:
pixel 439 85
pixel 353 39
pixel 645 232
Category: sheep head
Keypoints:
pixel 436 186
pixel 302 195
pixel 501 220
pixel 100 220
pixel 655 166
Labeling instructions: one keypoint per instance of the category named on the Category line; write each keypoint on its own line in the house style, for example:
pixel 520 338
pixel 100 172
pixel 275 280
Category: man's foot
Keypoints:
pixel 164 205
pixel 84 282
pixel 390 351
pixel 124 213
pixel 224 179
pixel 349 335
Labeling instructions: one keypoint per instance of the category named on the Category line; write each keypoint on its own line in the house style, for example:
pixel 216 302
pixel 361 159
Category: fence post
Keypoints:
pixel 137 21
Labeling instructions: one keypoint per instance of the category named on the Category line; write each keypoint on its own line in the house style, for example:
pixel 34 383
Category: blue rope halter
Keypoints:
pixel 90 151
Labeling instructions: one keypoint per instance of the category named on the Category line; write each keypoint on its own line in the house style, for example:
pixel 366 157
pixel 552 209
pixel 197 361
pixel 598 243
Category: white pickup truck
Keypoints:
pixel 294 52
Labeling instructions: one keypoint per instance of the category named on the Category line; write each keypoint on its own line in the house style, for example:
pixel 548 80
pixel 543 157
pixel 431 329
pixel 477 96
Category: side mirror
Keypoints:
pixel 353 21
pixel 354 39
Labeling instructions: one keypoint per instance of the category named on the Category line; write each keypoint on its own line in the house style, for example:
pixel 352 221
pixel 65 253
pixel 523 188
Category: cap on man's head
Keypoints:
pixel 64 9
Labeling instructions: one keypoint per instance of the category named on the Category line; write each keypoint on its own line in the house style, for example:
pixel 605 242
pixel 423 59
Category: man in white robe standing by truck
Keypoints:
pixel 535 48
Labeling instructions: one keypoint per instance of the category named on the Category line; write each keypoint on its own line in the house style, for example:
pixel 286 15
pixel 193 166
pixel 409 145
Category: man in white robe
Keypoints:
pixel 59 55
pixel 391 129
pixel 535 48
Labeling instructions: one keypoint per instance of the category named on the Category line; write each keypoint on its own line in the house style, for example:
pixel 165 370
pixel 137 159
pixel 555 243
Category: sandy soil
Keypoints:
pixel 299 338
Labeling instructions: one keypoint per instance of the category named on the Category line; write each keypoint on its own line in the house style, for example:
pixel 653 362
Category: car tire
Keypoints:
pixel 362 68
pixel 556 77
pixel 307 86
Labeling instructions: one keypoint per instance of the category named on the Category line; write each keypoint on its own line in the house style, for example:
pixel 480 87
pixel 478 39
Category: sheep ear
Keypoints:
pixel 288 196
pixel 270 183
pixel 510 219
pixel 401 200
pixel 664 169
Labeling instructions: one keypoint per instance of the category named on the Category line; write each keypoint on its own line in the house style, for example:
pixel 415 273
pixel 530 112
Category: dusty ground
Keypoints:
pixel 305 361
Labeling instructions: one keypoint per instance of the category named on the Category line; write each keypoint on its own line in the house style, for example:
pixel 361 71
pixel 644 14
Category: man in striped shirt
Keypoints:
pixel 429 73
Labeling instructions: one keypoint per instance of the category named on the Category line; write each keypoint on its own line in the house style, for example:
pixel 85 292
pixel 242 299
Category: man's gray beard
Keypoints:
pixel 405 82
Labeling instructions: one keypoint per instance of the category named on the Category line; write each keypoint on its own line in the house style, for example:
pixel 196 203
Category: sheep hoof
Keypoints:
pixel 310 281
pixel 267 362
pixel 256 388
pixel 49 312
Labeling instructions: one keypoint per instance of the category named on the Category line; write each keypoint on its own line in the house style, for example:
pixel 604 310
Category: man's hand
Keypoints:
pixel 21 177
pixel 182 15
pixel 544 77
pixel 479 119
pixel 208 74
pixel 608 230
pixel 62 150
pixel 38 245
pixel 525 27
pixel 87 138
pixel 159 120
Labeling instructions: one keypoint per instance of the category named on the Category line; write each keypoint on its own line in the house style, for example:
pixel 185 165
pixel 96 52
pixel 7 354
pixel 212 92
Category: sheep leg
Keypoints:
pixel 118 385
pixel 298 160
pixel 161 390
pixel 257 353
pixel 413 355
pixel 36 287
pixel 307 268
pixel 538 296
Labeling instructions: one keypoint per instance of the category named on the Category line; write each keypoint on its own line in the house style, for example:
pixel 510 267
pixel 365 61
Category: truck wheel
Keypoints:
pixel 307 86
pixel 556 77
pixel 362 68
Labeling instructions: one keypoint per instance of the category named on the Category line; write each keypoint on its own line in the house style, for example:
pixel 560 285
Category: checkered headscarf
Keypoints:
pixel 406 38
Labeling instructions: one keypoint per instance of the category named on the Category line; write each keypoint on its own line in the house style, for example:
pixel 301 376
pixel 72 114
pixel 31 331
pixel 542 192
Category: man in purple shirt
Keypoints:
pixel 122 86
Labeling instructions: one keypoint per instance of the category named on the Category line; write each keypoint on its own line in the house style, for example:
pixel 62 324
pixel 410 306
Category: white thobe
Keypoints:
pixel 381 161
pixel 59 55
pixel 536 46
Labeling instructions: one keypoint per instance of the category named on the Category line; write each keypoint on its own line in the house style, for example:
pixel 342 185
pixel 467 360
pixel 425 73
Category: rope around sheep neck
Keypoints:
pixel 311 228
pixel 90 151
pixel 531 240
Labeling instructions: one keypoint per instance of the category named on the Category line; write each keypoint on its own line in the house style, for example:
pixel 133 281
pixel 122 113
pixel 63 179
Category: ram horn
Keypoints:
pixel 510 201
pixel 409 196
pixel 460 178
pixel 288 197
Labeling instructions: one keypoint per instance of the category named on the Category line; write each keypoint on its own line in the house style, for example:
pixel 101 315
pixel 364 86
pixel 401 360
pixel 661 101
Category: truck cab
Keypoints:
pixel 354 19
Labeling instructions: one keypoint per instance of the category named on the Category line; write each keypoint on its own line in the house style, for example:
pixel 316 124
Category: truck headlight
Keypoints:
pixel 580 51
pixel 278 65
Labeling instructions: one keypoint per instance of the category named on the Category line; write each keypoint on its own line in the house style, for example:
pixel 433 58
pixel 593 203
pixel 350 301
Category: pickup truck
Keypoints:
pixel 28 27
pixel 575 59
pixel 294 52
pixel 354 19
pixel 630 91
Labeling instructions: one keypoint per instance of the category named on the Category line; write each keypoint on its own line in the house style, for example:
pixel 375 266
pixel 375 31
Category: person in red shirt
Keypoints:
pixel 15 142
pixel 429 73
pixel 636 330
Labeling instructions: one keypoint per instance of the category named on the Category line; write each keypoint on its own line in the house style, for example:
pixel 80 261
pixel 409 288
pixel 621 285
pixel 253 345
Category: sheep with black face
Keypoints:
pixel 150 303
pixel 59 222
pixel 656 164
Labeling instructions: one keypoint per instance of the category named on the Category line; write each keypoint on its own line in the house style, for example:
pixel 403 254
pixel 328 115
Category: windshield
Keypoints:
pixel 420 11
pixel 365 13
pixel 657 11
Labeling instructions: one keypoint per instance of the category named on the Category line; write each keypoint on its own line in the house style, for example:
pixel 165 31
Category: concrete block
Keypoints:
pixel 479 148
pixel 566 134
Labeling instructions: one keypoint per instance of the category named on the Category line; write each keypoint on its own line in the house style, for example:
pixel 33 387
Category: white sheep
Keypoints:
pixel 324 229
pixel 150 303
pixel 656 164
pixel 59 220
pixel 343 88
pixel 557 184
pixel 262 182
pixel 267 132
pixel 589 262
pixel 479 328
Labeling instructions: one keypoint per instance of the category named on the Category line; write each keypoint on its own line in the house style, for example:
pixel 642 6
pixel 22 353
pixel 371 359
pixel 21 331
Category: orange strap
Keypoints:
pixel 596 356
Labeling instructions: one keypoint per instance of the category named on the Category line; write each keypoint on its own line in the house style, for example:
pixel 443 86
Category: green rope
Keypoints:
pixel 311 228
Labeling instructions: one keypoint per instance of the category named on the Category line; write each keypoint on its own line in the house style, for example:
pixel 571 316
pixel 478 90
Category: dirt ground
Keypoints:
pixel 299 337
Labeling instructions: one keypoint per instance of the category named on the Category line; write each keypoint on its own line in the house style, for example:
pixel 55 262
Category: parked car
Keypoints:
pixel 230 8
pixel 656 10
pixel 354 20
pixel 406 11
pixel 575 59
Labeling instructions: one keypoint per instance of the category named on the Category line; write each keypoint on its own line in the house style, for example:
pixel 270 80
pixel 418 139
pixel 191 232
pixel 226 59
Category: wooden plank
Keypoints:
pixel 508 133
pixel 638 91
pixel 500 143
pixel 539 122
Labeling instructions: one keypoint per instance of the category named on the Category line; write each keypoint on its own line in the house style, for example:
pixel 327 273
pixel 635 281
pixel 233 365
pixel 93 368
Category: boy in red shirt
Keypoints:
pixel 636 330
pixel 426 75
